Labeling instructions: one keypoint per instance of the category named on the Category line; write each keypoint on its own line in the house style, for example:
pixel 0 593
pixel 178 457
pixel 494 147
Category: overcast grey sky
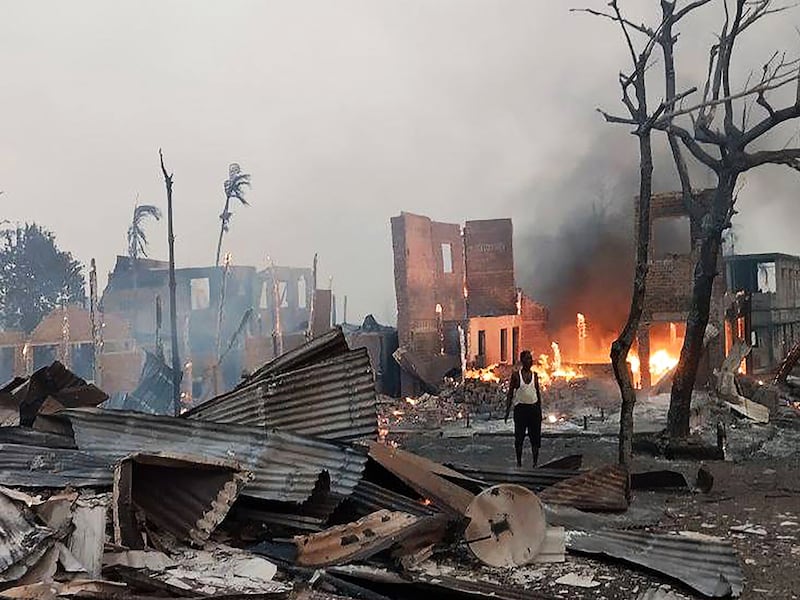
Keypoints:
pixel 345 113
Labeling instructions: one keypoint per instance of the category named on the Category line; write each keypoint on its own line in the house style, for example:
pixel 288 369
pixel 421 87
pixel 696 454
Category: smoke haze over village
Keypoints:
pixel 345 113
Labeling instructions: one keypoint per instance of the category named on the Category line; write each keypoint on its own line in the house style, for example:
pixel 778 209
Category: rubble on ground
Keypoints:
pixel 274 499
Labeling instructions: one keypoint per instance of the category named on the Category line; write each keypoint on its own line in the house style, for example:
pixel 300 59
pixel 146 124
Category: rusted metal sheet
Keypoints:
pixel 59 384
pixel 334 399
pixel 354 541
pixel 323 347
pixel 603 489
pixel 708 565
pixel 286 467
pixel 536 479
pixel 37 467
pixel 413 472
pixel 182 495
pixel 22 543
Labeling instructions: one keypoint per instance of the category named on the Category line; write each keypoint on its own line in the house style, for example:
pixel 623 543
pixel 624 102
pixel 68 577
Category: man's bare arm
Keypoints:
pixel 536 384
pixel 513 384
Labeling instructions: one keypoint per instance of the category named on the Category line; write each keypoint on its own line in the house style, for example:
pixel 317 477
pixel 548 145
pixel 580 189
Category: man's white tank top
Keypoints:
pixel 526 392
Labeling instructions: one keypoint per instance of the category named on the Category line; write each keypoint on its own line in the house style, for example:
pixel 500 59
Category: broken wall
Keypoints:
pixel 429 270
pixel 674 251
pixel 491 290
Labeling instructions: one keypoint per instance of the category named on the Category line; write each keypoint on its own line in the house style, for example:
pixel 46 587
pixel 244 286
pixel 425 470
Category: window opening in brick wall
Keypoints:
pixel 447 258
pixel 482 343
pixel 514 344
pixel 201 293
pixel 671 236
pixel 504 345
pixel 767 283
pixel 283 288
pixel 301 292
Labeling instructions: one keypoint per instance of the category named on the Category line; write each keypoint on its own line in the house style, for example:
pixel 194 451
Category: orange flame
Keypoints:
pixel 486 374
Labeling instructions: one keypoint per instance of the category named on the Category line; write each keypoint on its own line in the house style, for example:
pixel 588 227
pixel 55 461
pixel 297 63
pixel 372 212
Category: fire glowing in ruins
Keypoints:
pixel 486 374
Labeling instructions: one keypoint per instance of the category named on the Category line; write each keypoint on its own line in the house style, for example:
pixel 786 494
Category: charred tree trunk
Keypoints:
pixel 712 226
pixel 622 345
pixel 173 307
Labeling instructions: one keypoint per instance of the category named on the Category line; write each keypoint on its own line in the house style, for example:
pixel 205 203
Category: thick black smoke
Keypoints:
pixel 578 256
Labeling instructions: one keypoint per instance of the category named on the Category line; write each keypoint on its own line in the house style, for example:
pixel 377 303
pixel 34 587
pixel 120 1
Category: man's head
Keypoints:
pixel 526 359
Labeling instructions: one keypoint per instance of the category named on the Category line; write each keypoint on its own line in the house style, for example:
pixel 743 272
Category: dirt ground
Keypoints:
pixel 760 486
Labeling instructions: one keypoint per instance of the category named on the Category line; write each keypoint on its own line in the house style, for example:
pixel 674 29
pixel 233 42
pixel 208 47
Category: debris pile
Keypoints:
pixel 279 489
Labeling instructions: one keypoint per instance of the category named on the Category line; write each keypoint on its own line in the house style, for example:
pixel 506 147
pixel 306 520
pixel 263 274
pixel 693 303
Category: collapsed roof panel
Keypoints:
pixel 45 467
pixel 286 467
pixel 334 399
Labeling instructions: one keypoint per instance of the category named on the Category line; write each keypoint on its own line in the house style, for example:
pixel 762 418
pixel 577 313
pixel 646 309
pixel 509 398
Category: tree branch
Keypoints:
pixel 788 156
pixel 619 120
pixel 597 13
pixel 769 123
pixel 693 146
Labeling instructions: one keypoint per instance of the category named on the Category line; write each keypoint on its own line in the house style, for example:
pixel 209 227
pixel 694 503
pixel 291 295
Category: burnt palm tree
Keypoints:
pixel 234 190
pixel 137 240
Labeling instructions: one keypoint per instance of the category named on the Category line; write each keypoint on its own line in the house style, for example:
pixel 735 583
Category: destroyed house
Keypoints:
pixel 450 283
pixel 65 334
pixel 257 313
pixel 765 306
pixel 674 252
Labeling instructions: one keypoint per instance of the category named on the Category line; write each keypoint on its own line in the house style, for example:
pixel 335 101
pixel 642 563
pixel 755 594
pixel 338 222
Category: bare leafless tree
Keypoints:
pixel 634 97
pixel 717 132
pixel 719 135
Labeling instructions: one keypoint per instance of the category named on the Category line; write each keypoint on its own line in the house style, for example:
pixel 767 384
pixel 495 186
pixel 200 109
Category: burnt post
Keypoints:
pixel 173 308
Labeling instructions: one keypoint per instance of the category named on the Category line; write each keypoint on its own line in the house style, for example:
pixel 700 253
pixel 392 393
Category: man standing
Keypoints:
pixel 524 393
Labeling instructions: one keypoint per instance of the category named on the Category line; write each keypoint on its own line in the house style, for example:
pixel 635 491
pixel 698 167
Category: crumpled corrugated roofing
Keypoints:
pixel 606 488
pixel 707 564
pixel 153 394
pixel 334 399
pixel 39 467
pixel 286 467
pixel 323 347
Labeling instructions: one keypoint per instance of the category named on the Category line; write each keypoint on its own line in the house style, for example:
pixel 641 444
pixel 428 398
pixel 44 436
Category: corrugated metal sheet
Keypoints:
pixel 333 399
pixel 59 383
pixel 38 467
pixel 320 348
pixel 603 489
pixel 183 496
pixel 153 394
pixel 708 565
pixel 354 541
pixel 30 437
pixel 286 467
pixel 369 497
pixel 21 543
pixel 536 479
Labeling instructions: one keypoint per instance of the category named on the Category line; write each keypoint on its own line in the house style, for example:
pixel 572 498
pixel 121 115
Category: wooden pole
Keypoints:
pixel 173 307
pixel 96 324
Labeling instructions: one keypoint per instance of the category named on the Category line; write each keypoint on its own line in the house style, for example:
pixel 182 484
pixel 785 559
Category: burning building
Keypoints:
pixel 674 251
pixel 764 310
pixel 453 285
